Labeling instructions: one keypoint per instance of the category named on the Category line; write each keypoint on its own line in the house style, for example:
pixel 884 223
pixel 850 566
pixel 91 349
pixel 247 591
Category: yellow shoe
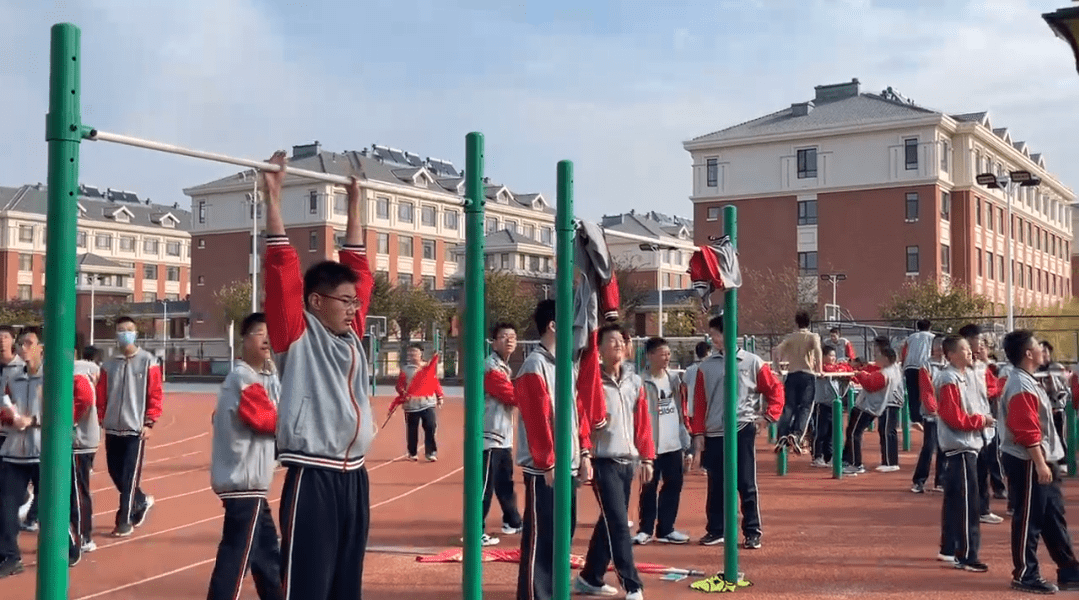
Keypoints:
pixel 717 584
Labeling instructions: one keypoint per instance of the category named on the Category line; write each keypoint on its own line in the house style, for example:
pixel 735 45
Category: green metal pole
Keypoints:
pixel 63 132
pixel 837 439
pixel 1073 437
pixel 564 397
pixel 772 433
pixel 472 373
pixel 904 419
pixel 730 416
pixel 781 462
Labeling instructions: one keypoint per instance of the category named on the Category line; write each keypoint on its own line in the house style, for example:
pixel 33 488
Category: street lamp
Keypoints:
pixel 835 278
pixel 1065 23
pixel 656 249
pixel 1023 179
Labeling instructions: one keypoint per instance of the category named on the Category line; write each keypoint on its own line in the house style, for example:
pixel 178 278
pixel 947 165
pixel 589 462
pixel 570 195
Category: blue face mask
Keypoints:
pixel 125 338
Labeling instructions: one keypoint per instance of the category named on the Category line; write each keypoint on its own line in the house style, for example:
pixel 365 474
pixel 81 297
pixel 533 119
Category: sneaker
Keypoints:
pixel 887 468
pixel 641 538
pixel 122 531
pixel 948 558
pixel 1035 586
pixel 820 463
pixel 580 586
pixel 1066 584
pixel 752 543
pixel 139 516
pixel 938 489
pixel 24 508
pixel 991 519
pixel 973 566
pixel 413 457
pixel 432 457
pixel 711 540
pixel 30 526
pixel 10 566
pixel 74 549
pixel 853 470
pixel 487 540
pixel 674 537
pixel 636 595
pixel 510 530
pixel 89 547
pixel 797 446
pixel 917 489
pixel 1010 512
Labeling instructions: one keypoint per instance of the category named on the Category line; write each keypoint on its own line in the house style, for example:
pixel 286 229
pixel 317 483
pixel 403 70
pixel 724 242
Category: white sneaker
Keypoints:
pixel 487 540
pixel 580 586
pixel 887 468
pixel 819 463
pixel 674 537
pixel 991 519
pixel 507 530
pixel 642 538
pixel 853 470
pixel 25 508
pixel 89 546
pixel 945 558
pixel 638 595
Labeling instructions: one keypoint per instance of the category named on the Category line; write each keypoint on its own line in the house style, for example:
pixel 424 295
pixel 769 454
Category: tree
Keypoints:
pixel 683 320
pixel 508 299
pixel 772 297
pixel 632 291
pixel 22 312
pixel 381 294
pixel 948 306
pixel 234 299
pixel 413 309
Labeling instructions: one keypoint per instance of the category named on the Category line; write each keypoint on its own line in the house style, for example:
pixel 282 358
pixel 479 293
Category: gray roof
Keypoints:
pixel 100 206
pixel 505 237
pixel 642 224
pixel 379 163
pixel 974 117
pixel 89 259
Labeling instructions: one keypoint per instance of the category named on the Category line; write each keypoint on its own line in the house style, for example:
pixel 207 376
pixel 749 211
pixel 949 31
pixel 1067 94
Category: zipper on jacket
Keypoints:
pixel 355 405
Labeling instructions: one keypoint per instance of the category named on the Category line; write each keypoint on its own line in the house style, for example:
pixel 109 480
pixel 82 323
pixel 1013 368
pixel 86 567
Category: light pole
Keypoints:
pixel 835 278
pixel 1065 23
pixel 656 249
pixel 1002 183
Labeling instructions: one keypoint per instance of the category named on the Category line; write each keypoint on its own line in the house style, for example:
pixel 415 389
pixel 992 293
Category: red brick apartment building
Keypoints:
pixel 883 190
pixel 131 252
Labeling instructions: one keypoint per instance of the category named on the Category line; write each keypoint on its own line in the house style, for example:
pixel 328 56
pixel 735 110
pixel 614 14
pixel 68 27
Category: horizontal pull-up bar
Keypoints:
pixel 102 136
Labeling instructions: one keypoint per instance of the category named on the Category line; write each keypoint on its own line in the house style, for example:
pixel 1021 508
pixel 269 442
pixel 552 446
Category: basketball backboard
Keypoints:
pixel 377 326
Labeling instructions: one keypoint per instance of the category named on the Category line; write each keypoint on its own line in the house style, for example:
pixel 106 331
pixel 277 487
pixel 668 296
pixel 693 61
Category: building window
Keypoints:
pixel 807 163
pixel 1030 233
pixel 427 216
pixel 26 233
pixel 103 241
pixel 150 246
pixel 912 206
pixel 340 204
pixel 382 207
pixel 26 262
pixel 945 259
pixel 1030 276
pixel 713 172
pixel 946 206
pixel 202 280
pixel 534 264
pixel 404 279
pixel 25 292
pixel 978 211
pixel 428 247
pixel 807 263
pixel 149 271
pixel 404 245
pixel 807 212
pixel 912 259
pixel 945 155
pixel 910 153
pixel 490 225
pixel 989 262
pixel 980 262
pixel 405 212
pixel 202 211
pixel 546 234
pixel 1000 220
pixel 202 244
pixel 504 258
pixel 172 273
pixel 312 241
pixel 127 243
pixel 80 239
pixel 1000 267
pixel 172 248
pixel 530 231
pixel 713 213
pixel 383 243
pixel 428 282
pixel 312 202
pixel 449 220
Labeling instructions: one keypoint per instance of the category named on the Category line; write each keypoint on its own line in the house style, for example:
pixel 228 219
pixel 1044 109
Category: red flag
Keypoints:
pixel 424 383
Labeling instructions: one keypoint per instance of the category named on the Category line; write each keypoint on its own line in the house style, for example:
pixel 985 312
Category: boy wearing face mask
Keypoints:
pixel 129 397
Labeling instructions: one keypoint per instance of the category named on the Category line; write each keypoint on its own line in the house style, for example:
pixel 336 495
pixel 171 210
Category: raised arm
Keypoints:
pixel 354 255
pixel 284 304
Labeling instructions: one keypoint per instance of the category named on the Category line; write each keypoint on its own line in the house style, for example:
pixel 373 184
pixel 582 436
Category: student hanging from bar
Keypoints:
pixel 880 382
pixel 756 382
pixel 325 426
pixel 961 423
pixel 930 445
pixel 21 452
pixel 85 444
pixel 828 389
pixel 129 398
pixel 499 405
pixel 988 393
pixel 241 469
pixel 420 404
pixel 621 449
pixel 534 389
pixel 1032 453
pixel 671 437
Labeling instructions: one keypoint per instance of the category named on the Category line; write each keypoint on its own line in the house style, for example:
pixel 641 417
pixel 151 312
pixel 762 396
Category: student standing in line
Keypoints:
pixel 930 444
pixel 324 426
pixel 1055 382
pixel 1032 453
pixel 664 392
pixel 689 382
pixel 962 420
pixel 621 449
pixel 129 398
pixel 534 390
pixel 828 389
pixel 986 398
pixel 801 351
pixel 241 469
pixel 758 390
pixel 915 353
pixel 85 444
pixel 878 385
pixel 499 405
pixel 419 409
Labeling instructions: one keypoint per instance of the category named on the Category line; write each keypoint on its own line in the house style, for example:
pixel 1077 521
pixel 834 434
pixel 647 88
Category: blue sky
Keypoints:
pixel 615 86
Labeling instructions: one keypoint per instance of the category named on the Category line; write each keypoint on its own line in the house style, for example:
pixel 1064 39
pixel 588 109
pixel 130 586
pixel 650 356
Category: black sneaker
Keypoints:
pixel 710 539
pixel 10 566
pixel 973 566
pixel 139 516
pixel 752 543
pixel 1035 586
pixel 123 531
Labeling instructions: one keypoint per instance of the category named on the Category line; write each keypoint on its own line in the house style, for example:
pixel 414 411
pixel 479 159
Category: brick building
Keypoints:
pixel 414 221
pixel 130 251
pixel 883 190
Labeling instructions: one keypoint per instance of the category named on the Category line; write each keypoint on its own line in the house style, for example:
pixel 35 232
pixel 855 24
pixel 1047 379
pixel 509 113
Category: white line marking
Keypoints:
pixel 152 462
pixel 187 439
pixel 189 471
pixel 210 560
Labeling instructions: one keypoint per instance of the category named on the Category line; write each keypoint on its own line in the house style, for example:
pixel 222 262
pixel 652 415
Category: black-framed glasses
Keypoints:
pixel 348 302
